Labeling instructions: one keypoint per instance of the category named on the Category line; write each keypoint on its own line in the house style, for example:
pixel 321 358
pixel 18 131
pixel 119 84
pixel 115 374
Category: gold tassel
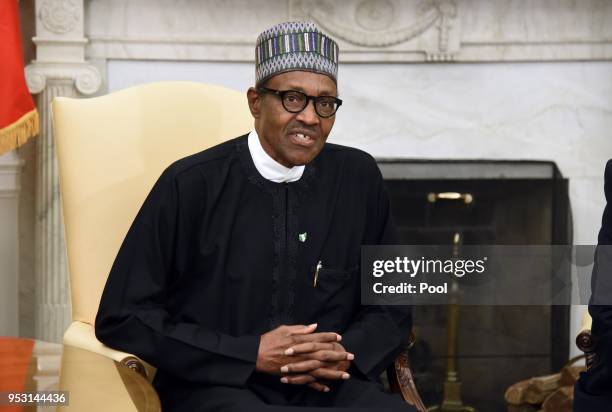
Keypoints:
pixel 13 136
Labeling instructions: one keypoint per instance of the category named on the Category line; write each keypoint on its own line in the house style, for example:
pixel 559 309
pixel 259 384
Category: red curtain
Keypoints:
pixel 18 115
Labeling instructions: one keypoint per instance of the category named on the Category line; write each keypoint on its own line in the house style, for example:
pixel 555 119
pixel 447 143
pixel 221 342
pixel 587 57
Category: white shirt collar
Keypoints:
pixel 268 167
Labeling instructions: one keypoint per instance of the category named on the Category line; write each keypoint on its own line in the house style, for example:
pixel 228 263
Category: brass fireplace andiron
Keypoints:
pixel 451 401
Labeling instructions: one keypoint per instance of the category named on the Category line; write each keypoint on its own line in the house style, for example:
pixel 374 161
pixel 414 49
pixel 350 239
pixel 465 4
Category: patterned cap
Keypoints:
pixel 296 45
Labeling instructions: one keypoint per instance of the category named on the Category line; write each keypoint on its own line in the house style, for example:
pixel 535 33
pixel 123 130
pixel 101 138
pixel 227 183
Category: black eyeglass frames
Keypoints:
pixel 295 101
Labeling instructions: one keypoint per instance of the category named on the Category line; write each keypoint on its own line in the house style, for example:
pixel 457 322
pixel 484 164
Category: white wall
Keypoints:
pixel 126 73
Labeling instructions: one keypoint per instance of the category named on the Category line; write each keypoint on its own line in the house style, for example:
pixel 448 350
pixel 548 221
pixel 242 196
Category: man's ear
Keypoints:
pixel 254 100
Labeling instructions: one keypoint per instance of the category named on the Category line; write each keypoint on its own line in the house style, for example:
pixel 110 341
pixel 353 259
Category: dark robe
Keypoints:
pixel 593 391
pixel 214 259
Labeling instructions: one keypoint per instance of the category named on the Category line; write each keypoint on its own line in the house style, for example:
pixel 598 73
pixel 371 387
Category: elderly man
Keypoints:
pixel 239 277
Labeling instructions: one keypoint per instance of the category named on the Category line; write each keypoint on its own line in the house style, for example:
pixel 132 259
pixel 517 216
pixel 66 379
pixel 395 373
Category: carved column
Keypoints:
pixel 60 69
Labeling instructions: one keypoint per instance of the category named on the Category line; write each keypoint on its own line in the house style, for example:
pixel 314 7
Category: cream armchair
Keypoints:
pixel 111 150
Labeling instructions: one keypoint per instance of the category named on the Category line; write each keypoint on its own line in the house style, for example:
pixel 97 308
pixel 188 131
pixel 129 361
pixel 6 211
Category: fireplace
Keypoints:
pixel 513 203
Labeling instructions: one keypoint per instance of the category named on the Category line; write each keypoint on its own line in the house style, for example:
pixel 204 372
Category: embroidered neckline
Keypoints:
pixel 284 271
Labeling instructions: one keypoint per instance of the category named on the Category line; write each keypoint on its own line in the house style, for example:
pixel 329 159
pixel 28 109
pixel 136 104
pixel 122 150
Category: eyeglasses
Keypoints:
pixel 295 101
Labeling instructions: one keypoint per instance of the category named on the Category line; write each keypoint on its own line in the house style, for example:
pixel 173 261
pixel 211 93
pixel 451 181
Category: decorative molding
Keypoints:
pixel 372 24
pixel 85 77
pixel 59 31
pixel 407 25
pixel 374 15
pixel 448 13
pixel 372 31
pixel 59 16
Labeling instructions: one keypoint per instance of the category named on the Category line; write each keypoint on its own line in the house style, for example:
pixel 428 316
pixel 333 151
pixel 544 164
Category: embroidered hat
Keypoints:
pixel 296 45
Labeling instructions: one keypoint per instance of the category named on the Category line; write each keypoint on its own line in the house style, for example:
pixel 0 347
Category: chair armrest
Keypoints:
pixel 97 383
pixel 402 382
pixel 585 341
pixel 82 335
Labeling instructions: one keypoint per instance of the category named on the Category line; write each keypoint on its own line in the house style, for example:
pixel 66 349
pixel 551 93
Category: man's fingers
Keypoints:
pixel 301 329
pixel 314 376
pixel 329 356
pixel 317 337
pixel 311 351
pixel 318 386
pixel 298 379
pixel 309 347
pixel 329 374
pixel 304 366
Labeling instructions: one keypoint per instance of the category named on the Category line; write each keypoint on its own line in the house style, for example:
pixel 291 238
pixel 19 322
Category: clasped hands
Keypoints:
pixel 303 357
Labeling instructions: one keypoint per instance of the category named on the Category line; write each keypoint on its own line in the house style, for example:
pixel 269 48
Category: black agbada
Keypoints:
pixel 219 255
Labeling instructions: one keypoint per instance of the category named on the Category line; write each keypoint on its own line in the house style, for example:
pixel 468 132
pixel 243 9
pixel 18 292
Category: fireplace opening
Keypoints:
pixel 498 203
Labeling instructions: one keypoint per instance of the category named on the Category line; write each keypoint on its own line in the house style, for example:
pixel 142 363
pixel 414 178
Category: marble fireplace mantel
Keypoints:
pixel 367 30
